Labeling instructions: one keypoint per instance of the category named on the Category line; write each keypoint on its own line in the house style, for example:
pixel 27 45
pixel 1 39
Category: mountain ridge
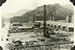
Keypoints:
pixel 56 10
pixel 18 13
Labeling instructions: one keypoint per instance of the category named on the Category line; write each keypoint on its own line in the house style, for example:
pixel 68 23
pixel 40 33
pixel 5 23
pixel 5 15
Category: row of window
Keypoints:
pixel 64 28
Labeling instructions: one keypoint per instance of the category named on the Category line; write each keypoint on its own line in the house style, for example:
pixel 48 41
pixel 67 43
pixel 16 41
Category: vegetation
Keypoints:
pixel 55 10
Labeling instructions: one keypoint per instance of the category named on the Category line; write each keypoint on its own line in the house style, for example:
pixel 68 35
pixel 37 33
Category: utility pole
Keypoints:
pixel 20 20
pixel 44 20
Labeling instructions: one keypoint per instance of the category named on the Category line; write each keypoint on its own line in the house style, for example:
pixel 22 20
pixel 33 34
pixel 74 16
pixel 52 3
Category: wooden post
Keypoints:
pixel 53 18
pixel 44 20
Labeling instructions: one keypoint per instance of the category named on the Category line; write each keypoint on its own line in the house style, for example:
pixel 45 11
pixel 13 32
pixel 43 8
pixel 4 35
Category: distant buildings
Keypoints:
pixel 62 26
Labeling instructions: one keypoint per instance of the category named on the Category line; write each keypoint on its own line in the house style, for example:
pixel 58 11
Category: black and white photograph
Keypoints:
pixel 37 25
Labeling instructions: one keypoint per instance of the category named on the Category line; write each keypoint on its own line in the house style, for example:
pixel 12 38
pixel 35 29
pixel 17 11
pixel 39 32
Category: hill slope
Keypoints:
pixel 56 10
pixel 18 13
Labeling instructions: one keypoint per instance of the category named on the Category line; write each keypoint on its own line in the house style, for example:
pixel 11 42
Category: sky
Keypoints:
pixel 12 6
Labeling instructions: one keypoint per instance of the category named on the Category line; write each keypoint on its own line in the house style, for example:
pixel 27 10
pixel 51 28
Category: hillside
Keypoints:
pixel 21 12
pixel 56 10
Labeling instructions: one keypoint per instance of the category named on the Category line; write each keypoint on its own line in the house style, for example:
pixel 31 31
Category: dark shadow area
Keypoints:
pixel 1 48
pixel 73 48
pixel 2 1
pixel 73 1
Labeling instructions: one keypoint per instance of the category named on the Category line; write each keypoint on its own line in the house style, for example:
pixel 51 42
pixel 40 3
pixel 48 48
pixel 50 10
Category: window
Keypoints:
pixel 59 27
pixel 48 24
pixel 52 26
pixel 55 27
pixel 64 29
pixel 17 25
pixel 71 29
